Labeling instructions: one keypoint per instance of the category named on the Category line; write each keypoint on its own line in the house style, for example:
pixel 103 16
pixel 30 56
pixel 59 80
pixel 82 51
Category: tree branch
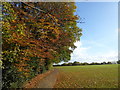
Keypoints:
pixel 43 12
pixel 34 7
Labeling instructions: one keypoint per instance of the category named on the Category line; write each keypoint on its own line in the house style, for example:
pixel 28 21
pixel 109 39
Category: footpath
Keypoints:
pixel 46 80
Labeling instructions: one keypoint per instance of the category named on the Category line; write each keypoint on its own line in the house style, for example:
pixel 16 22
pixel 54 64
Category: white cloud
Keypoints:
pixel 81 54
pixel 80 50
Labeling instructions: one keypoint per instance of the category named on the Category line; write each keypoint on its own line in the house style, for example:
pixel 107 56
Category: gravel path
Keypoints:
pixel 48 81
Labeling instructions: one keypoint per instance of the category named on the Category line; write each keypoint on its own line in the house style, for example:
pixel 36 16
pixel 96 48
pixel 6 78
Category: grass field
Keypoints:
pixel 90 76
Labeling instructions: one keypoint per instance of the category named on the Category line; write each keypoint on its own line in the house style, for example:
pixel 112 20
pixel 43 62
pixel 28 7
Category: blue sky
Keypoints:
pixel 119 30
pixel 99 41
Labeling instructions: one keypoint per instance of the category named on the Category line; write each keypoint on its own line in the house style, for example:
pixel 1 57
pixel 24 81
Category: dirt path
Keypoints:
pixel 46 80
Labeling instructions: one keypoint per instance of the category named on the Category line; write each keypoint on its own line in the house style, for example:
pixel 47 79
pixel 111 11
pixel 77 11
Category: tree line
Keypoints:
pixel 75 63
pixel 34 36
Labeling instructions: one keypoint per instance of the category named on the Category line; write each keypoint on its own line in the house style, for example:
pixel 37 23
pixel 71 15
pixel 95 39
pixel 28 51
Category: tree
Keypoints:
pixel 35 35
pixel 85 63
pixel 118 61
pixel 109 62
pixel 64 64
pixel 69 64
pixel 103 63
pixel 76 63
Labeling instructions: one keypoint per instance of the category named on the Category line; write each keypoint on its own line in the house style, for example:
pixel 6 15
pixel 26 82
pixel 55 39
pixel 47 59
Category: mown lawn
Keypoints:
pixel 90 76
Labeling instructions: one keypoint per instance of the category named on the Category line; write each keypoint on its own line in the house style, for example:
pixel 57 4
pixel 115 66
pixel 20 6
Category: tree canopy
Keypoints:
pixel 35 35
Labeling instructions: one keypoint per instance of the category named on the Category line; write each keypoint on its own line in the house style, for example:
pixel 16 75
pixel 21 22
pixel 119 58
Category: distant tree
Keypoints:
pixel 70 64
pixel 118 61
pixel 109 62
pixel 96 63
pixel 92 63
pixel 64 64
pixel 75 63
pixel 85 63
pixel 103 63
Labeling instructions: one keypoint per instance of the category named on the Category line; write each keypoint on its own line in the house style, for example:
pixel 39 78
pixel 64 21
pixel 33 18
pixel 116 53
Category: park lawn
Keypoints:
pixel 89 76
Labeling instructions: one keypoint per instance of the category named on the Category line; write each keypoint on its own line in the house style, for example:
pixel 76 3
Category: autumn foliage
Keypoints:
pixel 34 36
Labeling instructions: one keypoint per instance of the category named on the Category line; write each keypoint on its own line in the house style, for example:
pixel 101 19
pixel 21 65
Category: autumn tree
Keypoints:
pixel 35 35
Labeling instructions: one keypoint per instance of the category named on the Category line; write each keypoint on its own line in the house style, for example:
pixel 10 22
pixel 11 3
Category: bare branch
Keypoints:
pixel 43 12
pixel 34 7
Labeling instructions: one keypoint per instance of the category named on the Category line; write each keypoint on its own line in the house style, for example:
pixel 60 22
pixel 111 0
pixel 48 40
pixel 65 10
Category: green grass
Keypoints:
pixel 90 76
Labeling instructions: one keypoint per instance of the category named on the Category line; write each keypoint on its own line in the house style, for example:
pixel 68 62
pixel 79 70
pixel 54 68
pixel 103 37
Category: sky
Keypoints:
pixel 99 41
pixel 119 30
